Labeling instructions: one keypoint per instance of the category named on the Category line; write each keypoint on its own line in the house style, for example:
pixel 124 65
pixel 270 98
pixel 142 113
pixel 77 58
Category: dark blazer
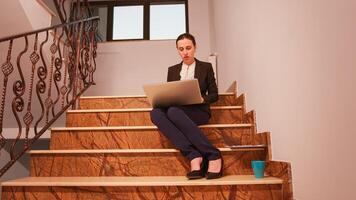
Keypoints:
pixel 205 74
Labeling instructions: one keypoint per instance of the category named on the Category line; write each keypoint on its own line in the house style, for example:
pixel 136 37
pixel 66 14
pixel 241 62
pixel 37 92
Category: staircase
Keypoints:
pixel 110 149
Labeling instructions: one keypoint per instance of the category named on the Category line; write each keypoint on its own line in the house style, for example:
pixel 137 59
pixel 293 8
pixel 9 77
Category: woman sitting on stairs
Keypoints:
pixel 180 123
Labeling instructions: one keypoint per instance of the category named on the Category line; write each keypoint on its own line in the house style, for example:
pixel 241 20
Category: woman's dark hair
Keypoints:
pixel 186 36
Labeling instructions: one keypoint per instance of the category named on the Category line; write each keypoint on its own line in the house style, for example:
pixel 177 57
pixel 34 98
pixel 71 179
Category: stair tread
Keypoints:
pixel 133 96
pixel 143 109
pixel 140 181
pixel 100 128
pixel 88 151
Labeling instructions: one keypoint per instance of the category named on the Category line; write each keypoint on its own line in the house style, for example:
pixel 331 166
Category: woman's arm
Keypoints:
pixel 212 89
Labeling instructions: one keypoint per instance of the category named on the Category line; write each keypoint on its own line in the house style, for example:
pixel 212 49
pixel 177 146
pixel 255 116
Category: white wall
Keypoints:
pixel 295 61
pixel 36 13
pixel 13 19
pixel 123 67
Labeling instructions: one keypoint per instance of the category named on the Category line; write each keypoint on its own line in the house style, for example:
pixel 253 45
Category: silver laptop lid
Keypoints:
pixel 173 93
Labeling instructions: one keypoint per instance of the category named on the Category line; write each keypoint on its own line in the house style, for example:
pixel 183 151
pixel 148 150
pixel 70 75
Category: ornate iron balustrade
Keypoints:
pixel 43 74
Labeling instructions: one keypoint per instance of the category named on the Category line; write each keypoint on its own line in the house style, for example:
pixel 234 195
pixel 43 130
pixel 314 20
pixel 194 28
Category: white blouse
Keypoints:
pixel 187 72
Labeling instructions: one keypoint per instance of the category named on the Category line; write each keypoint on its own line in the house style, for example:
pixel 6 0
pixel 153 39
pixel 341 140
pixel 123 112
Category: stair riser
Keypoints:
pixel 240 192
pixel 142 139
pixel 140 118
pixel 133 164
pixel 138 102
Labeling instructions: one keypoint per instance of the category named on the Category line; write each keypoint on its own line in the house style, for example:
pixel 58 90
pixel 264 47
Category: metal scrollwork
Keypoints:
pixel 57 76
pixel 41 84
pixel 57 73
pixel 7 69
pixel 28 118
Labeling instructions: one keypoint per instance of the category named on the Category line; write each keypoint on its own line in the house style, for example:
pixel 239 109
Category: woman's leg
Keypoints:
pixel 173 134
pixel 186 119
pixel 179 124
pixel 187 122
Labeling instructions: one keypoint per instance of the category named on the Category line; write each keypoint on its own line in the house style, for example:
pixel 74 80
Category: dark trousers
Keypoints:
pixel 180 125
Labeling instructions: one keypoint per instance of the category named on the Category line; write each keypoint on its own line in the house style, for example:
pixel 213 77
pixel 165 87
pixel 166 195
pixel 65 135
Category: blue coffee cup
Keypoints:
pixel 258 167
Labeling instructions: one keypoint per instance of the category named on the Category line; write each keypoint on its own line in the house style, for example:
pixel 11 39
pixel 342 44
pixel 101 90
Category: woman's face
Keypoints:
pixel 186 50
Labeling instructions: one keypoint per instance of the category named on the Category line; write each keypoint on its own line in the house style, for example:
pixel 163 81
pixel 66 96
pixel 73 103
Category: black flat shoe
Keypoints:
pixel 215 175
pixel 197 174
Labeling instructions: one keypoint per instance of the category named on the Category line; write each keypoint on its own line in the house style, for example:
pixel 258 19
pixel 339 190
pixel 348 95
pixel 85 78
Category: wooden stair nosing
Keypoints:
pixel 139 181
pixel 144 109
pixel 136 96
pixel 102 128
pixel 108 151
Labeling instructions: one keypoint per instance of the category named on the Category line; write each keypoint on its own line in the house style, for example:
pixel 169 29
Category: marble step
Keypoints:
pixel 140 181
pixel 141 101
pixel 242 187
pixel 149 137
pixel 134 162
pixel 141 116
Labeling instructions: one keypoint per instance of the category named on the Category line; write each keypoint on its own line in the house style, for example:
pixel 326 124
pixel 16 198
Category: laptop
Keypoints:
pixel 175 93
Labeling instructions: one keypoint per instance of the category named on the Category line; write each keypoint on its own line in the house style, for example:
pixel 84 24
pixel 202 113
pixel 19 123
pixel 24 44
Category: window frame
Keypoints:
pixel 146 14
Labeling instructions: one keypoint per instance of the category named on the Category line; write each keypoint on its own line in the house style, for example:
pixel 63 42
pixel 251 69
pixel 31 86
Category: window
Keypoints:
pixel 167 21
pixel 142 19
pixel 127 22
